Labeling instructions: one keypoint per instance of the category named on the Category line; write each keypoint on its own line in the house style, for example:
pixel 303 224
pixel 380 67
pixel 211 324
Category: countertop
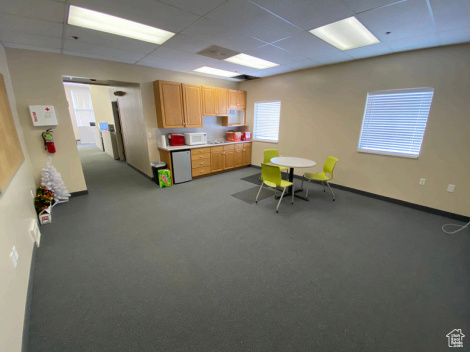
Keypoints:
pixel 183 147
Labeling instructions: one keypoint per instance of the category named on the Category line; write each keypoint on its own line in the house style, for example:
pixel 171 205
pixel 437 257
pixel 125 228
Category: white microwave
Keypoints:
pixel 195 138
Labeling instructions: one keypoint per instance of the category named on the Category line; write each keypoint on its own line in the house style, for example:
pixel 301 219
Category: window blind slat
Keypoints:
pixel 394 121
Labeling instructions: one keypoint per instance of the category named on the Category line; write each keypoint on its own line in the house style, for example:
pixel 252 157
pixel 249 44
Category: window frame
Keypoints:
pixel 255 117
pixel 396 91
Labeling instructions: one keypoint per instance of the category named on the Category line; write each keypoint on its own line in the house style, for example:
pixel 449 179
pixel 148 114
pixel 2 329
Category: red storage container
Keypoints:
pixel 246 136
pixel 234 136
pixel 176 139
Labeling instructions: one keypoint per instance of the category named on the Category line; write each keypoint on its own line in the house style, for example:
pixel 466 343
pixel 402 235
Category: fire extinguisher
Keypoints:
pixel 48 140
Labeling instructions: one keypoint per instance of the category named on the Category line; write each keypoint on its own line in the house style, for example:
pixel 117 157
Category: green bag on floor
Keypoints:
pixel 164 178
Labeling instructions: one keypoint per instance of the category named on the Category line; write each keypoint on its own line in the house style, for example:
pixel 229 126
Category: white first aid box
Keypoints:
pixel 43 115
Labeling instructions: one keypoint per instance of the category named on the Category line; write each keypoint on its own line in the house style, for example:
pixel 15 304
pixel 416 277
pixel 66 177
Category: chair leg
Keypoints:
pixel 323 184
pixel 306 194
pixel 334 197
pixel 302 184
pixel 293 191
pixel 259 192
pixel 280 200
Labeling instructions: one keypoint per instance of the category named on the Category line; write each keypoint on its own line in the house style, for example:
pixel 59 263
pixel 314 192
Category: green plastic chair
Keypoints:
pixel 271 176
pixel 268 155
pixel 323 177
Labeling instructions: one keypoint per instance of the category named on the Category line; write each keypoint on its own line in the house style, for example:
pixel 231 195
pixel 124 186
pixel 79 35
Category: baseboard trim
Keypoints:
pixel 79 193
pixel 140 172
pixel 426 209
pixel 29 296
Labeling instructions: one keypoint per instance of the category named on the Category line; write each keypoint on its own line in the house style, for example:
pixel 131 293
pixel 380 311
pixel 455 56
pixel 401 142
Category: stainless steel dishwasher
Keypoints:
pixel 181 162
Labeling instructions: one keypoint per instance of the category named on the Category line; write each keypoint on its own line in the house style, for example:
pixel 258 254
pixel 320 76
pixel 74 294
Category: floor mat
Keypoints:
pixel 249 195
pixel 253 179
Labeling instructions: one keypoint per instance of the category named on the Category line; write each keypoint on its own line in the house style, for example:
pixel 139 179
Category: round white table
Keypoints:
pixel 291 163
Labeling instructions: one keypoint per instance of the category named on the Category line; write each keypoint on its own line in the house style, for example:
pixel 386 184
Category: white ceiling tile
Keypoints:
pixel 370 50
pixel 333 58
pixel 419 42
pixel 451 14
pixel 109 40
pixel 32 40
pixel 274 71
pixel 148 12
pixel 252 20
pixel 93 49
pixel 181 64
pixel 304 64
pixel 169 53
pixel 308 14
pixel 359 6
pixel 221 35
pixel 306 43
pixel 16 23
pixel 99 57
pixel 186 43
pixel 32 47
pixel 403 20
pixel 200 7
pixel 275 54
pixel 46 10
pixel 456 36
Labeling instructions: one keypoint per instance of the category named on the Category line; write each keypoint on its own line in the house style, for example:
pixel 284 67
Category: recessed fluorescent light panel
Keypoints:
pixel 346 34
pixel 102 22
pixel 251 61
pixel 216 72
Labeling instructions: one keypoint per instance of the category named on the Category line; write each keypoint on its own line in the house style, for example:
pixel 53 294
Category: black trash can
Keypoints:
pixel 157 165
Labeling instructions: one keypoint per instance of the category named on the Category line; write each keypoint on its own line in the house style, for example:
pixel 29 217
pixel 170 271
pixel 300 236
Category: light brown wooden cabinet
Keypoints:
pixel 217 158
pixel 246 154
pixel 201 161
pixel 178 105
pixel 214 101
pixel 238 155
pixel 237 99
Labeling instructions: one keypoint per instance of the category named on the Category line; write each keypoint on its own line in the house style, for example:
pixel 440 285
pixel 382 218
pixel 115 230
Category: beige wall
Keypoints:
pixel 322 110
pixel 101 104
pixel 37 79
pixel 16 216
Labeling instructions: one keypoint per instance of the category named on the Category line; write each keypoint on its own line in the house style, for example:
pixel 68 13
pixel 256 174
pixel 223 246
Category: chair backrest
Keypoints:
pixel 269 154
pixel 271 173
pixel 329 166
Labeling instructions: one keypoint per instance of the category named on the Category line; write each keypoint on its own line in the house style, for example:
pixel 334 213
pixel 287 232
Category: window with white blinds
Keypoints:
pixel 394 121
pixel 266 124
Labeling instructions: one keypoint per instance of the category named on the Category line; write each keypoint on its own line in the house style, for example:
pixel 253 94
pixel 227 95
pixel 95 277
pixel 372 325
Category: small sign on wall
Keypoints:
pixel 43 115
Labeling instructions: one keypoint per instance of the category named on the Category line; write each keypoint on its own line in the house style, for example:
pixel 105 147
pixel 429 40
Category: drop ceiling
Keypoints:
pixel 276 31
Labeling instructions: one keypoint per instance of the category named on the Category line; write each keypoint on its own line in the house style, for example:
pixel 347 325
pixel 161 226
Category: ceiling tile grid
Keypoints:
pixel 273 30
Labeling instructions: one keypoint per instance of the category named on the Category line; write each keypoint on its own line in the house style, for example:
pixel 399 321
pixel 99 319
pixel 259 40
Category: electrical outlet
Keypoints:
pixel 422 181
pixel 150 135
pixel 450 188
pixel 14 257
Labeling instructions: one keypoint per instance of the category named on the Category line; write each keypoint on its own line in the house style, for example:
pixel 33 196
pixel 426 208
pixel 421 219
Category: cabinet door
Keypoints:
pixel 209 101
pixel 169 104
pixel 247 154
pixel 232 99
pixel 241 99
pixel 238 157
pixel 221 108
pixel 229 159
pixel 217 161
pixel 192 102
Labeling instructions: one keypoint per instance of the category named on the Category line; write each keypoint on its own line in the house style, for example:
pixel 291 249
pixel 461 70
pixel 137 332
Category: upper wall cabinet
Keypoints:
pixel 214 101
pixel 237 99
pixel 178 104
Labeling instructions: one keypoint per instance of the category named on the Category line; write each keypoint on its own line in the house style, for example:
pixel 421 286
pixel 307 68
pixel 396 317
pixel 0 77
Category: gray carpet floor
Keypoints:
pixel 132 267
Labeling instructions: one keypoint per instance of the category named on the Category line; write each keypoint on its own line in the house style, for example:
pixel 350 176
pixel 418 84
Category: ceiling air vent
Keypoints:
pixel 217 52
